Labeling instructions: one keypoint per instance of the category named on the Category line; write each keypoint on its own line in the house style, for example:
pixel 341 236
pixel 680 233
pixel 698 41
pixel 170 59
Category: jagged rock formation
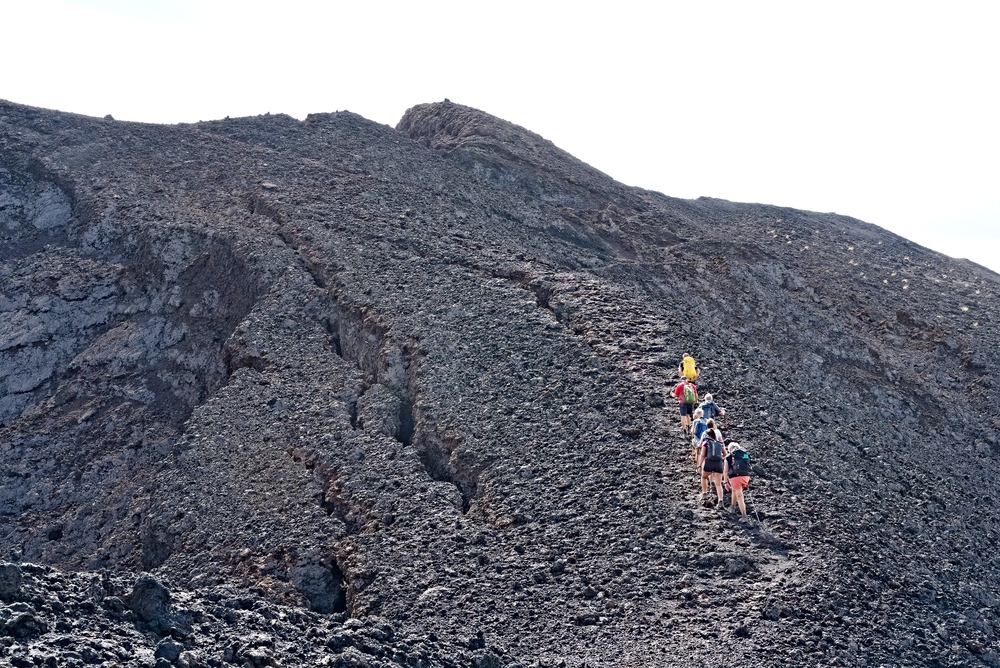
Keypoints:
pixel 368 396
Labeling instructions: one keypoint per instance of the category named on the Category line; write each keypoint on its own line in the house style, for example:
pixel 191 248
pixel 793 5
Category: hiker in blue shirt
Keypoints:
pixel 697 429
pixel 710 409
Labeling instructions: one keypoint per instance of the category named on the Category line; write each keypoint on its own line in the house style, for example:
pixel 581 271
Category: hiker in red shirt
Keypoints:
pixel 687 397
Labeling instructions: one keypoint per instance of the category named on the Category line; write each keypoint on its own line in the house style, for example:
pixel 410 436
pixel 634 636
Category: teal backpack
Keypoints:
pixel 740 463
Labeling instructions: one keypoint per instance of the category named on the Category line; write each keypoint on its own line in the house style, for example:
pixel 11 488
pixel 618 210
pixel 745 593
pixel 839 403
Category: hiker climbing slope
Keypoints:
pixel 697 429
pixel 686 394
pixel 737 473
pixel 710 409
pixel 711 461
pixel 688 369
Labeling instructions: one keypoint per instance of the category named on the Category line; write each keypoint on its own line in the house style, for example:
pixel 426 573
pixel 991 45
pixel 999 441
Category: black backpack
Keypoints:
pixel 739 463
pixel 713 450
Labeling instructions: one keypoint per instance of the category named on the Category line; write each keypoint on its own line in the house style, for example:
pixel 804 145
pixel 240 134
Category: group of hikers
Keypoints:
pixel 724 464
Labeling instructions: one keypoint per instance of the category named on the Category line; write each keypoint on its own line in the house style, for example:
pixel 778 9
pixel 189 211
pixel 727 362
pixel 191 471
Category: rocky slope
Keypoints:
pixel 292 393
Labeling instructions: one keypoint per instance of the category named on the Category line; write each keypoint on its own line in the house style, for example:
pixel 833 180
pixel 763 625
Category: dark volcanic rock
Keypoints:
pixel 23 625
pixel 10 581
pixel 350 395
pixel 150 600
pixel 168 649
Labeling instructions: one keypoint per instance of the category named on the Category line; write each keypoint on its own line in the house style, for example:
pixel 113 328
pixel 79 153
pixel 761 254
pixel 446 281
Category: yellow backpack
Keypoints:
pixel 689 370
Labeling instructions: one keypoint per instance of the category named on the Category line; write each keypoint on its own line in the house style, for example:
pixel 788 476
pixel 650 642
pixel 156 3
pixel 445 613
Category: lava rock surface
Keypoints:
pixel 325 392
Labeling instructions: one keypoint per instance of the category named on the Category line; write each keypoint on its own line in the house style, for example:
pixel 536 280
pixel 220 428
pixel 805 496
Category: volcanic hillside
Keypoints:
pixel 325 392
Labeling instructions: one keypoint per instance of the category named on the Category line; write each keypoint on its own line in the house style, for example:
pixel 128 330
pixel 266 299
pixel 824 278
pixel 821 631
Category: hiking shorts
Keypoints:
pixel 712 467
pixel 687 409
pixel 740 482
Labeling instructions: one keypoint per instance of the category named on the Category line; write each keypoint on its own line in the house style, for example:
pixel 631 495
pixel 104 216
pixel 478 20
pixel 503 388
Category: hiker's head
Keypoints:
pixel 710 424
pixel 708 397
pixel 733 445
pixel 698 413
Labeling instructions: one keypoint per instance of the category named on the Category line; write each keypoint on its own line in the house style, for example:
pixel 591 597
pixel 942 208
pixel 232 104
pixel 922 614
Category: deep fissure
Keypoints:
pixel 359 340
pixel 438 457
pixel 406 423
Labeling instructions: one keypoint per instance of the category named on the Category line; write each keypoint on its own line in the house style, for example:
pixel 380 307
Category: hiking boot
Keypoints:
pixel 719 504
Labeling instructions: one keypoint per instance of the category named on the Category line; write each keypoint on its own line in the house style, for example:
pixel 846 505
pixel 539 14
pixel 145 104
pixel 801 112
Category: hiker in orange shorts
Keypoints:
pixel 737 472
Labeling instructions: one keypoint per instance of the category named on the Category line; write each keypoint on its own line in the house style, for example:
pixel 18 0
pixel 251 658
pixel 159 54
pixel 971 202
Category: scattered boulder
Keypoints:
pixel 168 649
pixel 24 625
pixel 150 600
pixel 10 581
pixel 339 640
pixel 487 659
pixel 775 610
pixel 738 565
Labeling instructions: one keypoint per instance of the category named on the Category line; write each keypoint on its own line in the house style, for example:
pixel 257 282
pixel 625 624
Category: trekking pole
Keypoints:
pixel 754 505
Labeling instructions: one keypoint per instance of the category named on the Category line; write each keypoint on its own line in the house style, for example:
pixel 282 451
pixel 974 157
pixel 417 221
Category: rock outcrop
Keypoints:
pixel 294 392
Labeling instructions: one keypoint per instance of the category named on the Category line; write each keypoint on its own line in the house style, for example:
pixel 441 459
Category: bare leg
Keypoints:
pixel 717 480
pixel 704 482
pixel 738 499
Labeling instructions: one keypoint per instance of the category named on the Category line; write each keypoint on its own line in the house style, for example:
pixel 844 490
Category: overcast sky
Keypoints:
pixel 885 111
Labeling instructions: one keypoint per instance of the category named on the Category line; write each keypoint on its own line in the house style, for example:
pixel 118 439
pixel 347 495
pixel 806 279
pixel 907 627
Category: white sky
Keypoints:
pixel 885 111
